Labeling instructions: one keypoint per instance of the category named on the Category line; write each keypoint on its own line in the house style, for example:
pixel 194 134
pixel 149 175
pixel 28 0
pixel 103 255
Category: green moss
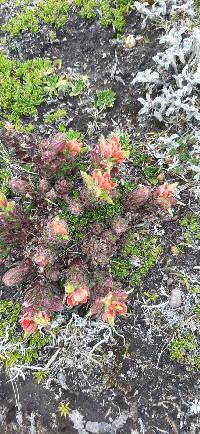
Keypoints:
pixel 191 230
pixel 110 11
pixel 183 350
pixel 40 376
pixel 105 98
pixel 79 224
pixel 146 250
pixel 64 409
pixel 51 118
pixel 24 87
pixel 151 174
pixel 197 312
pixel 5 175
pixel 49 12
pixel 78 87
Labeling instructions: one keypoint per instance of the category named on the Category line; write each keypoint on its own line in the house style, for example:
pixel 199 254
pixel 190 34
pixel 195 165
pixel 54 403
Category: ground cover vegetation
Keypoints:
pixel 99 205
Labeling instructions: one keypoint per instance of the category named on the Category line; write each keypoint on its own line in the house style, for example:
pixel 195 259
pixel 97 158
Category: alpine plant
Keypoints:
pixel 37 246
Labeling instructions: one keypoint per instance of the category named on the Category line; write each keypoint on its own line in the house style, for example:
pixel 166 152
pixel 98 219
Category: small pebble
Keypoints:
pixel 130 41
pixel 175 299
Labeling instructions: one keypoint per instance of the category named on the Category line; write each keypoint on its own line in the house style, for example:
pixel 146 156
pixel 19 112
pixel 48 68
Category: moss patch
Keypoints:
pixel 184 350
pixel 144 252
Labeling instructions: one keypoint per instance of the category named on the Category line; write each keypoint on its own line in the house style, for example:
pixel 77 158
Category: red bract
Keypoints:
pixel 74 147
pixel 110 151
pixel 103 180
pixel 113 150
pixel 112 304
pixel 58 229
pixel 165 190
pixel 28 324
pixel 79 296
pixel 116 307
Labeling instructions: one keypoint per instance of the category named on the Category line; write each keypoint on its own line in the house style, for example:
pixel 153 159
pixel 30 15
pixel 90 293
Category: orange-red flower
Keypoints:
pixel 78 296
pixel 165 190
pixel 111 150
pixel 116 307
pixel 103 180
pixel 58 228
pixel 74 147
pixel 28 324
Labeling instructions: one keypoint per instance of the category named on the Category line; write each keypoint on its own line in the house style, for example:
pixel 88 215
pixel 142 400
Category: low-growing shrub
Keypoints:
pixel 44 210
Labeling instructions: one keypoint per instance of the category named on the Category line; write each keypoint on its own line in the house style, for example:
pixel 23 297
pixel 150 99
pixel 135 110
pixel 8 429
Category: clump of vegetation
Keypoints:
pixel 111 12
pixel 60 208
pixel 57 115
pixel 191 230
pixel 26 85
pixel 29 18
pixel 12 339
pixel 136 258
pixel 105 98
pixel 64 409
pixel 184 350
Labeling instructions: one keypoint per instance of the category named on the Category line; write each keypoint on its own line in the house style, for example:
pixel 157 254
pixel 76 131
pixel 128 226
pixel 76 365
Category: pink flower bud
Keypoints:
pixel 44 186
pixel 119 225
pixel 59 229
pixel 42 257
pixel 75 207
pixel 20 186
pixel 17 274
pixel 138 197
pixel 58 143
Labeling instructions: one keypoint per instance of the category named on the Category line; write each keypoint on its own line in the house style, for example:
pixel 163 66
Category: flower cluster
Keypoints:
pixel 53 152
pixel 160 197
pixel 30 322
pixel 35 232
pixel 106 156
pixel 110 306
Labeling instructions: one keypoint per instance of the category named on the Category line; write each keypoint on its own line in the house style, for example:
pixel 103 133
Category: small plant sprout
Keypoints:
pixel 105 99
pixel 40 376
pixel 64 409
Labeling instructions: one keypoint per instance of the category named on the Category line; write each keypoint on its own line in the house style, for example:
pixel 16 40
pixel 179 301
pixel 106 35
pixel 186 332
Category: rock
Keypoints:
pixel 175 299
pixel 130 41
